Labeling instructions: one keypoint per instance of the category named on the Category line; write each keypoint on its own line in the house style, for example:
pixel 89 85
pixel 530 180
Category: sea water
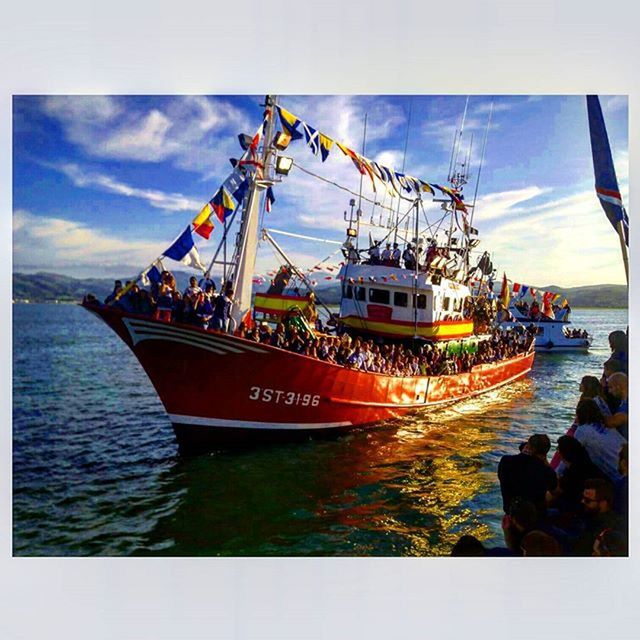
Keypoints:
pixel 96 470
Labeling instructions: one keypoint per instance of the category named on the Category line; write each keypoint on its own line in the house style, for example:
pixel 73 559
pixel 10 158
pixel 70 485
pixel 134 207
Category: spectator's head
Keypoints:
pixel 524 514
pixel 623 460
pixel 538 445
pixel 588 412
pixel 610 543
pixel 597 496
pixel 117 285
pixel 590 387
pixel 193 281
pixel 210 288
pixel 611 366
pixel 618 341
pixel 467 547
pixel 570 450
pixel 539 544
pixel 618 385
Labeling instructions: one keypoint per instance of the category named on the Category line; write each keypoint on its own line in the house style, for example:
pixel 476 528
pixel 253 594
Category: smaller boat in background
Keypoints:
pixel 552 334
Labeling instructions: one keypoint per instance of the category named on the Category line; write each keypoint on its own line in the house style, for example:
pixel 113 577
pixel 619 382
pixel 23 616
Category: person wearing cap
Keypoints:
pixel 528 475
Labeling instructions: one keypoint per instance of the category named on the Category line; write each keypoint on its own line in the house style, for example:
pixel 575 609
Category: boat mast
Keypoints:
pixel 247 240
pixel 475 193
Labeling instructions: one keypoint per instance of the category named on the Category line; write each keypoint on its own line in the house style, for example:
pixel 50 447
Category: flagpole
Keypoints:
pixel 623 248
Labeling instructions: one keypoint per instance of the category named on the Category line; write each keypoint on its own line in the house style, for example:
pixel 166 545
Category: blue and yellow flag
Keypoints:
pixel 427 187
pixel 290 123
pixel 325 145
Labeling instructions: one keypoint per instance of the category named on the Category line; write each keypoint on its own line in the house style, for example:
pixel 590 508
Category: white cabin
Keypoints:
pixel 384 301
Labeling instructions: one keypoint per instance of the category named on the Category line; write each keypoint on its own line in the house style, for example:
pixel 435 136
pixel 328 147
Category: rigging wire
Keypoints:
pixel 339 186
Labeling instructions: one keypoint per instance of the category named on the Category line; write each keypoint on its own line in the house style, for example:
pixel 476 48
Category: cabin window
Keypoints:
pixel 457 304
pixel 445 304
pixel 348 292
pixel 381 296
pixel 361 293
pixel 421 302
pixel 400 299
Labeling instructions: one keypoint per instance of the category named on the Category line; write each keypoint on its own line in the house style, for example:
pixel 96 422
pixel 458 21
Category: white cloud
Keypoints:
pixel 154 197
pixel 342 117
pixel 614 103
pixel 145 140
pixel 501 204
pixel 567 242
pixel 59 244
pixel 496 106
pixel 181 131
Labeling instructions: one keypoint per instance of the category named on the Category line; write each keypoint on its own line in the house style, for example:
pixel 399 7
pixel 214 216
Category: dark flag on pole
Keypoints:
pixel 606 182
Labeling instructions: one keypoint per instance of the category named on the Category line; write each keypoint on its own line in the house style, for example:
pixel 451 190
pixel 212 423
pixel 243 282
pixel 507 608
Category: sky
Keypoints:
pixel 103 184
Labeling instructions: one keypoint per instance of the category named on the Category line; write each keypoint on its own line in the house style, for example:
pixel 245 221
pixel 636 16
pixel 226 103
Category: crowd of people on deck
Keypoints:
pixel 411 257
pixel 201 305
pixel 534 312
pixel 576 333
pixel 577 503
pixel 391 359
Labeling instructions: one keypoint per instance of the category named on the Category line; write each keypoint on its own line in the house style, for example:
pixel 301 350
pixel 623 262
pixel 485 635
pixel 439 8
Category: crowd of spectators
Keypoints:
pixel 577 504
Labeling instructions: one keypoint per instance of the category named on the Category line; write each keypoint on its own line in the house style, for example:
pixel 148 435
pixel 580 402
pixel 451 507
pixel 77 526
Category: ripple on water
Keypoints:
pixel 96 470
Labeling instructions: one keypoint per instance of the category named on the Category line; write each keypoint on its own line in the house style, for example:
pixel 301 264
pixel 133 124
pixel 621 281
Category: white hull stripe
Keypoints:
pixel 161 334
pixel 216 338
pixel 245 424
pixel 140 330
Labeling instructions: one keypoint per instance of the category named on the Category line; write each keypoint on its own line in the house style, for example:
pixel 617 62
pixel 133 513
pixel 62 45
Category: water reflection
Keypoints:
pixel 407 489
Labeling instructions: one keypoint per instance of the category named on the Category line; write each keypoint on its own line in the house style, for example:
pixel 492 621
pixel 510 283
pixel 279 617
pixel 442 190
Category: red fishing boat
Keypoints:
pixel 219 387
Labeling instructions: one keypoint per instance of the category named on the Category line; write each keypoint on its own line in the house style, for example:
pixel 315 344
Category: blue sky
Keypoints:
pixel 102 184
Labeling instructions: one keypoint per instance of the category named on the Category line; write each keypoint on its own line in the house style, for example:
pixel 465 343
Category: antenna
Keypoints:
pixel 359 211
pixel 484 146
pixel 457 145
pixel 404 160
pixel 475 194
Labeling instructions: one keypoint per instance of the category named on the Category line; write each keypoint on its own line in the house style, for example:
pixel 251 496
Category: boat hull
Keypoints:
pixel 218 388
pixel 550 337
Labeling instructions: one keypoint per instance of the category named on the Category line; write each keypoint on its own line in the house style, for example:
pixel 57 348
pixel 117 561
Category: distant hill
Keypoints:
pixel 49 287
pixel 612 296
